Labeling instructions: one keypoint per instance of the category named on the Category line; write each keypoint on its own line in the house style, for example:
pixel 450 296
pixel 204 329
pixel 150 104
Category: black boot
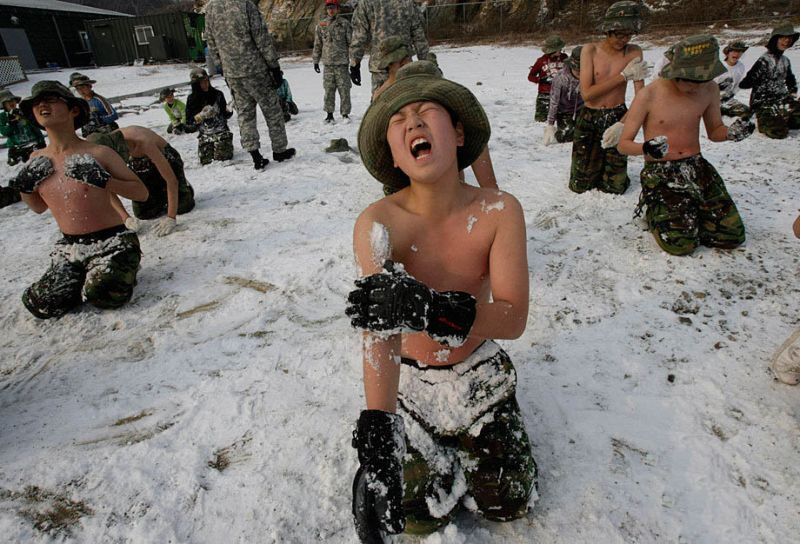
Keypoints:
pixel 329 118
pixel 284 155
pixel 259 162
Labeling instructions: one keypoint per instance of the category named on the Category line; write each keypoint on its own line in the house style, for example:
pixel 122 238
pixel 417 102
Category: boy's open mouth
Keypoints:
pixel 420 148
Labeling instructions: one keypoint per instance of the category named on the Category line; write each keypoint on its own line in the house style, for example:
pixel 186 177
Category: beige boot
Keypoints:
pixel 786 364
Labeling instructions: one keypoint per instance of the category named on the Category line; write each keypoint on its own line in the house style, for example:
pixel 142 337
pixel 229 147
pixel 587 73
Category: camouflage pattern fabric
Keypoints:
pixel 332 41
pixel 565 127
pixel 771 80
pixel 247 92
pixel 336 77
pixel 378 79
pixel 8 196
pixel 592 166
pixel 156 203
pixel 91 127
pixel 542 107
pixel 21 153
pixel 776 119
pixel 215 147
pixel 376 20
pixel 687 204
pixel 495 462
pixel 99 268
pixel 734 108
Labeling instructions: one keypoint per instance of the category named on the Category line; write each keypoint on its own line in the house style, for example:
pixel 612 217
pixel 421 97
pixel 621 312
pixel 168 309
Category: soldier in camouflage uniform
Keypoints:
pixel 543 71
pixel 775 86
pixel 687 203
pixel 239 42
pixel 331 46
pixel 207 112
pixel 373 22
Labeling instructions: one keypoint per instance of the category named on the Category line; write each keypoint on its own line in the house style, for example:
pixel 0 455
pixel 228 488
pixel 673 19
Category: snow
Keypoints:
pixel 218 406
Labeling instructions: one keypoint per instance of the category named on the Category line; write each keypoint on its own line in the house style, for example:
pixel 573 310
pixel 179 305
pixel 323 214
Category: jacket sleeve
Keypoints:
pixel 361 33
pixel 111 114
pixel 192 109
pixel 223 105
pixel 170 114
pixel 317 54
pixel 418 33
pixel 791 81
pixel 754 75
pixel 555 98
pixel 535 75
pixel 213 55
pixel 5 128
pixel 261 36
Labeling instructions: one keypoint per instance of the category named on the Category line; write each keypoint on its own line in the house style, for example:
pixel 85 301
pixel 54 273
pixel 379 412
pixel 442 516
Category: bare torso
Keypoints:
pixel 139 139
pixel 449 255
pixel 607 63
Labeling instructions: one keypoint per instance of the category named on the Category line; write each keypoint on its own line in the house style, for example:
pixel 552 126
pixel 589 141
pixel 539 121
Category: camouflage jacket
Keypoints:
pixel 771 79
pixel 19 130
pixel 238 38
pixel 375 20
pixel 332 41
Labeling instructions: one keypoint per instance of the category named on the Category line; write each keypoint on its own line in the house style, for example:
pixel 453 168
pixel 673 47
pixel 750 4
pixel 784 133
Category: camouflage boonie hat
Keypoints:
pixel 73 76
pixel 6 96
pixel 392 49
pixel 54 88
pixel 338 145
pixel 574 60
pixel 197 74
pixel 696 58
pixel 552 45
pixel 420 81
pixel 114 139
pixel 783 30
pixel 737 45
pixel 625 16
pixel 81 79
pixel 165 93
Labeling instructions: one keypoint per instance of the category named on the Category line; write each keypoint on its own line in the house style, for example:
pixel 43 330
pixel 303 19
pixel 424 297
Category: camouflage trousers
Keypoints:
pixel 336 78
pixel 156 203
pixel 99 268
pixel 21 153
pixel 378 79
pixel 688 205
pixel 565 127
pixel 542 107
pixel 92 127
pixel 775 120
pixel 215 146
pixel 734 108
pixel 592 166
pixel 476 445
pixel 247 92
pixel 8 196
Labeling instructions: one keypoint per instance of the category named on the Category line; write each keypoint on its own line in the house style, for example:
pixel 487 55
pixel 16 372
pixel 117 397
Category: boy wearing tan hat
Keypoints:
pixel 442 419
pixel 97 259
pixel 686 201
pixel 729 81
pixel 543 71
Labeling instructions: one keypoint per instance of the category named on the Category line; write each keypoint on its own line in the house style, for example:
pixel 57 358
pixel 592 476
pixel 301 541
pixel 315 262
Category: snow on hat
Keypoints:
pixel 54 88
pixel 625 16
pixel 114 139
pixel 197 74
pixel 696 58
pixel 552 44
pixel 419 81
pixel 392 49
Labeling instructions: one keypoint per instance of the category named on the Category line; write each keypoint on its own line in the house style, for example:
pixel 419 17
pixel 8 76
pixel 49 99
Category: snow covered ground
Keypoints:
pixel 218 405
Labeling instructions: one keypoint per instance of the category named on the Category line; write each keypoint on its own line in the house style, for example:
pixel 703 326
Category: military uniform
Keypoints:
pixel 156 203
pixel 376 20
pixel 239 41
pixel 331 46
pixel 481 449
pixel 99 268
pixel 592 166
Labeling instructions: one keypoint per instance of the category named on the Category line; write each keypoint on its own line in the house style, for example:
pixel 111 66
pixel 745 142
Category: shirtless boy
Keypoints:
pixel 686 200
pixel 97 259
pixel 160 167
pixel 606 68
pixel 445 273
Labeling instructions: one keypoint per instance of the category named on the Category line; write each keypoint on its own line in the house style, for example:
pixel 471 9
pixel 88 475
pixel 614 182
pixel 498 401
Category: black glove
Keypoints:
pixel 86 169
pixel 725 84
pixel 277 76
pixel 32 174
pixel 316 67
pixel 740 129
pixel 657 147
pixel 395 300
pixel 355 74
pixel 380 439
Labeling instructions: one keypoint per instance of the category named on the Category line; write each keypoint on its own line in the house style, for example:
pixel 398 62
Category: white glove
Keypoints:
pixel 165 226
pixel 612 135
pixel 637 70
pixel 549 136
pixel 205 113
pixel 131 223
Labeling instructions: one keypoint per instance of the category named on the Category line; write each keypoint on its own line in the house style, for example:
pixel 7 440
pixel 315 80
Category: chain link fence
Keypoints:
pixel 11 71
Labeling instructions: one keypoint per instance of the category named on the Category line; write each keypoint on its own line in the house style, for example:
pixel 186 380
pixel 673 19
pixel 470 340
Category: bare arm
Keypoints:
pixel 634 120
pixel 123 182
pixel 637 86
pixel 712 118
pixel 484 171
pixel 162 165
pixel 34 202
pixel 116 203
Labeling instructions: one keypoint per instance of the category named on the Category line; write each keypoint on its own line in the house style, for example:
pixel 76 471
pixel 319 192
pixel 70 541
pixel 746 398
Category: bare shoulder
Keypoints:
pixel 494 200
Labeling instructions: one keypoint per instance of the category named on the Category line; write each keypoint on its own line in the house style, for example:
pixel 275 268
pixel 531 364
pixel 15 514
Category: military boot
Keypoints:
pixel 259 162
pixel 329 118
pixel 284 155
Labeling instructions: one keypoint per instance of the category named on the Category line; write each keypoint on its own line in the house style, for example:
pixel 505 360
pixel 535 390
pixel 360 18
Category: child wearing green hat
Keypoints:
pixel 97 259
pixel 686 201
pixel 774 86
pixel 23 136
pixel 442 419
pixel 543 71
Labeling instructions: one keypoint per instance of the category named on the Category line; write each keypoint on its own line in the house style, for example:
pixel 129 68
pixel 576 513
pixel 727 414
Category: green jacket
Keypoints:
pixel 176 112
pixel 19 130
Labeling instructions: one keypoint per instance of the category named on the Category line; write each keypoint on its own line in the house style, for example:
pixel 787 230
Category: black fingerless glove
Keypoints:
pixel 277 76
pixel 657 148
pixel 86 169
pixel 355 74
pixel 740 129
pixel 32 174
pixel 380 439
pixel 393 300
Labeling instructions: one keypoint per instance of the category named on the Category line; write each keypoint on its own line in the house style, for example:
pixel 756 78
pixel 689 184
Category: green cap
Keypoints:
pixel 81 79
pixel 197 74
pixel 338 145
pixel 419 81
pixel 392 49
pixel 6 95
pixel 552 44
pixel 625 16
pixel 783 30
pixel 696 58
pixel 737 45
pixel 114 139
pixel 54 88
pixel 574 60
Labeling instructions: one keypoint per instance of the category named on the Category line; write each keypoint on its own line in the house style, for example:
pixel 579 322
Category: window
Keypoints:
pixel 143 34
pixel 84 37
